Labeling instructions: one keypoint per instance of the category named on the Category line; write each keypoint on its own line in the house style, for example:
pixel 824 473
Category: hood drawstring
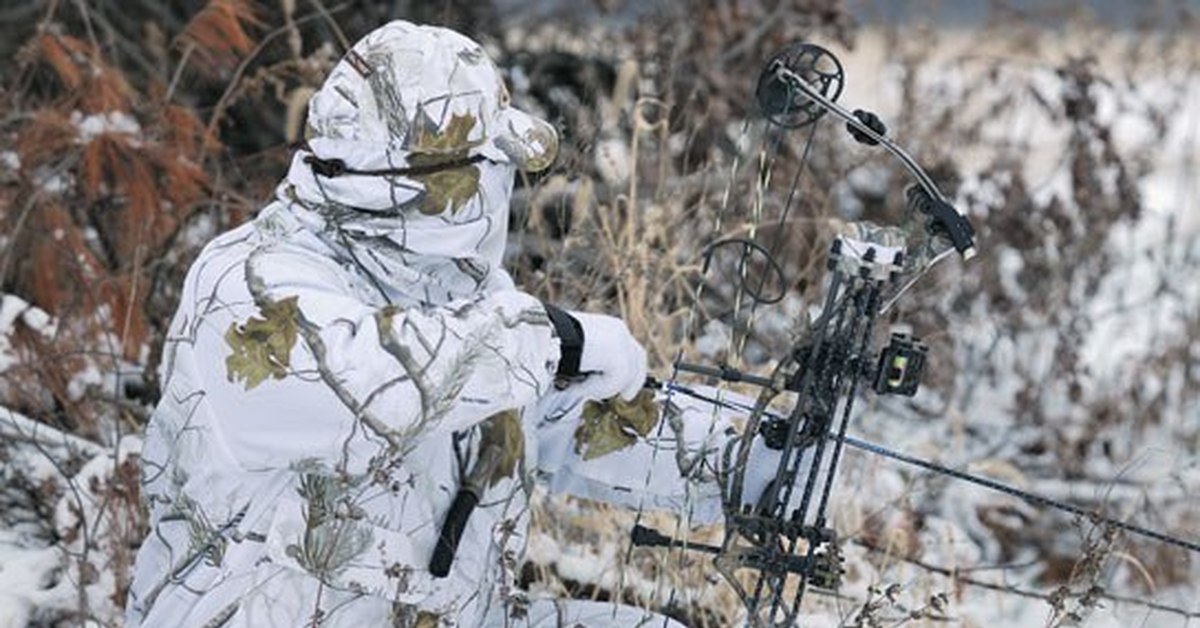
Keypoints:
pixel 330 168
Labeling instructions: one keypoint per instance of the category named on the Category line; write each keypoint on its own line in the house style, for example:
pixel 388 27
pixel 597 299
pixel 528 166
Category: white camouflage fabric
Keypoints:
pixel 337 365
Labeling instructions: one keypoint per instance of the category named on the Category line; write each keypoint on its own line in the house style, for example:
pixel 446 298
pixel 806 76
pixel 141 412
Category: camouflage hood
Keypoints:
pixel 412 148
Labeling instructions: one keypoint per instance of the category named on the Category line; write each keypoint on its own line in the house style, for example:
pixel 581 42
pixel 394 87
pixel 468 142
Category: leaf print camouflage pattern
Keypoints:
pixel 387 99
pixel 446 190
pixel 419 75
pixel 502 448
pixel 262 347
pixel 332 536
pixel 204 538
pixel 450 189
pixel 536 146
pixel 921 245
pixel 315 498
pixel 451 142
pixel 614 424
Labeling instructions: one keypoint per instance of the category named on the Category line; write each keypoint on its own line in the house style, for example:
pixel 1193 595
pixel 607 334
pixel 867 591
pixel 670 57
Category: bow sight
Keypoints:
pixel 778 543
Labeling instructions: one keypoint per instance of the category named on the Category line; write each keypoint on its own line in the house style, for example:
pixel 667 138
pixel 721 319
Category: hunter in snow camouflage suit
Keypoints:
pixel 339 367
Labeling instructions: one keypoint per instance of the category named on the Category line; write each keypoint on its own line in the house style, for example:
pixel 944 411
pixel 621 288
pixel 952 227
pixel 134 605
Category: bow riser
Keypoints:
pixel 824 371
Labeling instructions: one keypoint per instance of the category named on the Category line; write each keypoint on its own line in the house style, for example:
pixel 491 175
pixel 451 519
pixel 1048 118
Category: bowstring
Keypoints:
pixel 768 155
pixel 763 180
pixel 773 251
pixel 767 160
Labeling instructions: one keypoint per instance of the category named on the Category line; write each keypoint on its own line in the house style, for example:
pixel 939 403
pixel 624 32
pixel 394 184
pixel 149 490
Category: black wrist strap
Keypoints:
pixel 570 338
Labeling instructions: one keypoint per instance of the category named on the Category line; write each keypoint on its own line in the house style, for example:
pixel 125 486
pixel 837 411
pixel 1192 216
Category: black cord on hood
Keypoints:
pixel 330 168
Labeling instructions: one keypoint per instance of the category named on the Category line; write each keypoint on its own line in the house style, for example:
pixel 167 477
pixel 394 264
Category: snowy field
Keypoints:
pixel 1011 414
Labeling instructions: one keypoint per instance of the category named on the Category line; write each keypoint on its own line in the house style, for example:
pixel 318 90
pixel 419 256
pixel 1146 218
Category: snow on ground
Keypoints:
pixel 61 520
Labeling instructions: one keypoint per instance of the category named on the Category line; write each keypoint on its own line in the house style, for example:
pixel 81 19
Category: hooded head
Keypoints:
pixel 412 148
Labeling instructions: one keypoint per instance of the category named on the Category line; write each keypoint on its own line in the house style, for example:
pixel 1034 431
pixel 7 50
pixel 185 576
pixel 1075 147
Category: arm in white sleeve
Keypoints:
pixel 668 464
pixel 302 365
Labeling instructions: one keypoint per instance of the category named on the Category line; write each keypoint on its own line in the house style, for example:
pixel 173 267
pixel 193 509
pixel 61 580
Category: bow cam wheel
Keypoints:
pixel 778 97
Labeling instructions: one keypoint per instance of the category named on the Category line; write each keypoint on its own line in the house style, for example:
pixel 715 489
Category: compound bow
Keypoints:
pixel 782 537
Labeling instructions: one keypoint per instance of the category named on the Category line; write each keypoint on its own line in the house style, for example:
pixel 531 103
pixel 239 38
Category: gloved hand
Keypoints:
pixel 612 362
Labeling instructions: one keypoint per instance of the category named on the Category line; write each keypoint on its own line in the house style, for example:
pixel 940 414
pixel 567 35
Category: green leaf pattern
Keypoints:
pixel 262 347
pixel 502 437
pixel 432 146
pixel 334 533
pixel 614 424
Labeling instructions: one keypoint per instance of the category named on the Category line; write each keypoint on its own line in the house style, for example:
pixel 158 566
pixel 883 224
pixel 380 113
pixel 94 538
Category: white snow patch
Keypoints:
pixel 27 572
pixel 53 183
pixel 94 125
pixel 715 340
pixel 13 309
pixel 1010 265
pixel 10 160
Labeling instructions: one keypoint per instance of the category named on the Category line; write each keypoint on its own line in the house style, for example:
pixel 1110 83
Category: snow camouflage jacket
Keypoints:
pixel 337 365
